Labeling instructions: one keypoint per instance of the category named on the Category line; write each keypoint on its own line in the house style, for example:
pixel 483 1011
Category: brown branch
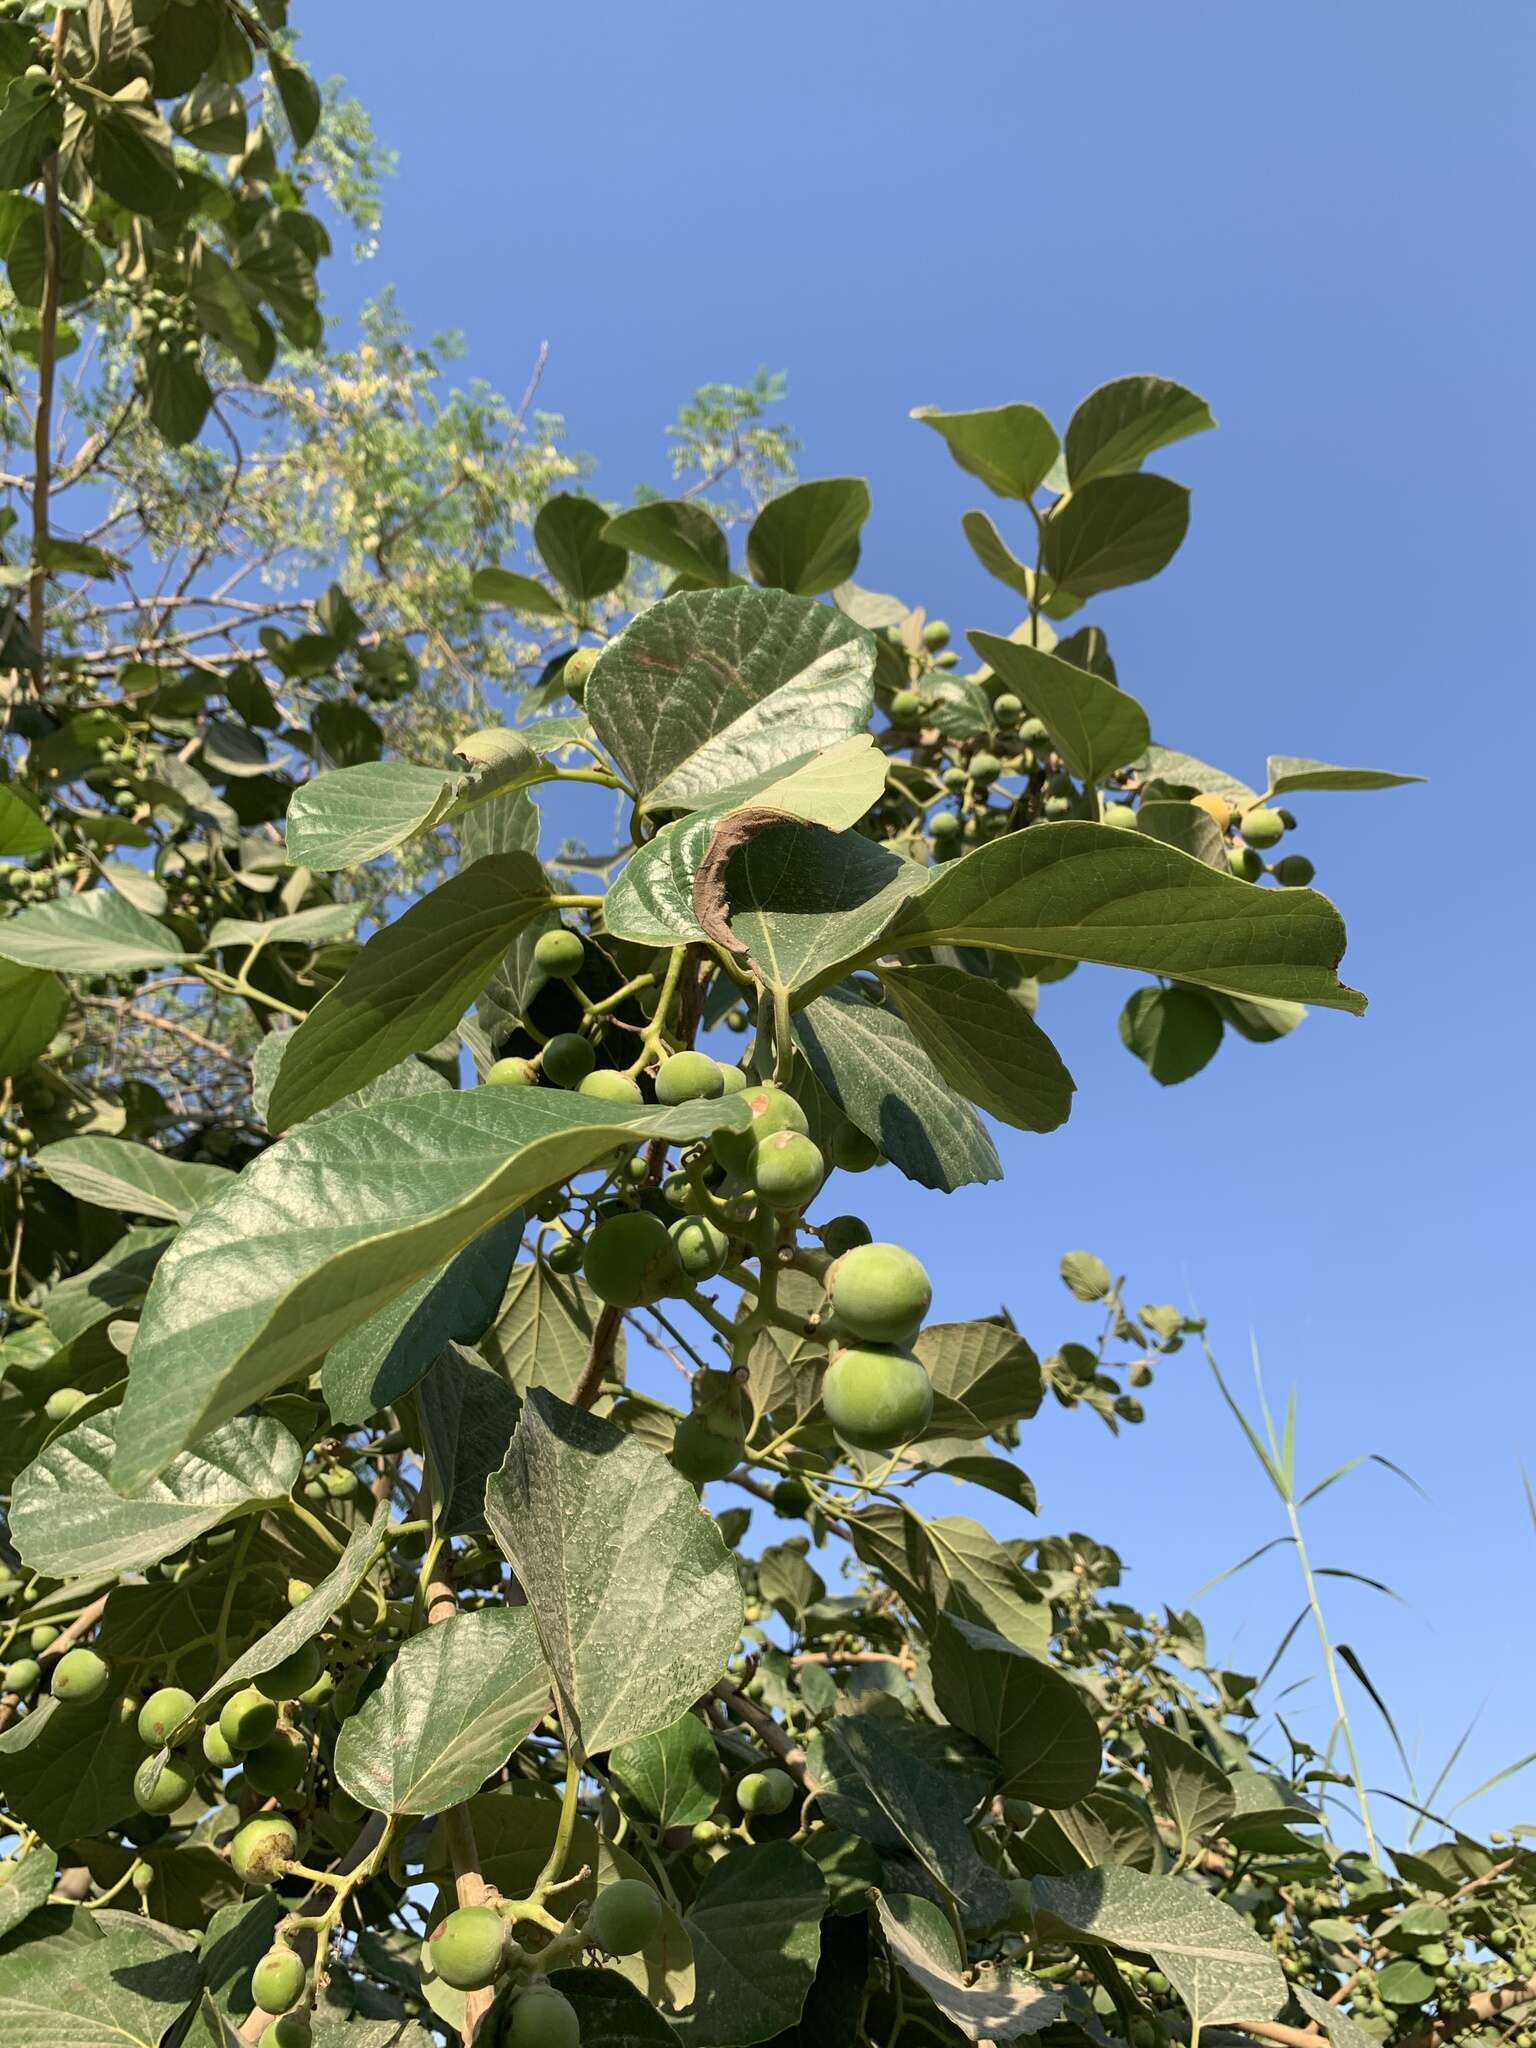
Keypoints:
pixel 1487 2005
pixel 604 1335
pixel 122 1008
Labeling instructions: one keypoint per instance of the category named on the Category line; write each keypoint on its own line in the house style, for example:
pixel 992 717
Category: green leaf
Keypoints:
pixel 1191 1788
pixel 1342 2031
pixel 1094 892
pixel 1260 1022
pixel 611 2012
pixel 968 1464
pixel 319 926
pixel 1222 1970
pixel 1115 530
pixel 1177 823
pixel 350 815
pixel 1011 448
pixel 31 125
pixel 25 1883
pixel 800 902
pixel 128 144
pixel 67 1521
pixel 67 1771
pixel 454 1704
pixel 468 1414
pixel 113 1173
pixel 678 534
pixel 653 900
pixel 268 1277
pixel 984 1042
pixel 807 539
pixel 1182 771
pixel 636 1597
pixel 212 117
pixel 32 1006
pixel 300 97
pixel 519 593
pixel 1001 2004
pixel 233 1943
pixel 995 556
pixel 409 986
pixel 542 1330
pixel 96 932
pixel 1174 1032
pixel 1085 1276
pixel 756 1933
pixel 671 1778
pixel 126 1989
pixel 1106 1827
pixel 1287 773
pixel 973 1577
pixel 22 831
pixel 180 397
pixel 387 1353
pixel 568 533
pixel 1096 727
pixel 985 1377
pixel 1118 426
pixel 711 689
pixel 869 1061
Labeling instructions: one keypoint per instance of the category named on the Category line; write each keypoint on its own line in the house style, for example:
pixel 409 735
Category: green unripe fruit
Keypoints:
pixel 277 1982
pixel 43 1637
pixel 1262 827
pixel 689 1077
pixel 636 1170
pixel 880 1292
pixel 262 1850
pixel 468 1947
pixel 844 1234
pixel 788 1171
pixel 944 825
pixel 1245 863
pixel 559 954
pixel 985 769
pixel 163 1713
pixel 906 707
pixel 511 1074
pixel 1034 732
pixel 935 634
pixel 853 1151
pixel 702 1248
pixel 954 780
pixel 568 1059
pixel 80 1676
pixel 288 2030
pixel 947 660
pixel 701 1453
pixel 294 1675
pixel 277 1765
pixel 314 1489
pixel 162 1788
pixel 1057 806
pixel 141 1876
pixel 317 1694
pixel 1287 818
pixel 630 1260
pixel 64 1402
pixel 733 1080
pixel 216 1750
pixel 1294 872
pixel 877 1396
pixel 1007 711
pixel 607 1084
pixel 791 1498
pixel 765 1792
pixel 772 1109
pixel 679 1191
pixel 625 1917
pixel 542 2018
pixel 247 1719
pixel 21 1677
pixel 577 671
pixel 1119 814
pixel 703 1832
pixel 566 1256
pixel 339 1481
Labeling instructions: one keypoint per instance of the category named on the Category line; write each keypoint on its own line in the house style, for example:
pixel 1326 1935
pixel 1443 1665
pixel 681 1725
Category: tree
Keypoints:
pixel 367 1623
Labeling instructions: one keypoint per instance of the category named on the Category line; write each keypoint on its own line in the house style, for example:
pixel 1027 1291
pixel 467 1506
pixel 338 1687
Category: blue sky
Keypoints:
pixel 1319 218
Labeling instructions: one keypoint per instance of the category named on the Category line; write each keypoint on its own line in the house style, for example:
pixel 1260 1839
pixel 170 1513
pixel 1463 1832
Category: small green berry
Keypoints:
pixel 163 1713
pixel 80 1676
pixel 765 1792
pixel 568 1059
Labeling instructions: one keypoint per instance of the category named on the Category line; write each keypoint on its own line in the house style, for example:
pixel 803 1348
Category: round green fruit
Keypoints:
pixel 247 1718
pixel 288 2030
pixel 906 707
pixel 701 1453
pixel 577 672
pixel 630 1260
pixel 511 1074
pixel 468 1947
pixel 339 1481
pixel 935 635
pixel 702 1248
pixel 607 1084
pixel 788 1170
pixel 625 1917
pixel 1007 711
pixel 791 1498
pixel 954 780
pixel 542 2018
pixel 1034 733
pixel 944 825
pixel 566 1256
pixel 1295 871
pixel 163 1713
pixel 772 1109
pixel 880 1292
pixel 21 1677
pixel 41 1638
pixel 559 954
pixel 853 1151
pixel 277 1765
pixel 1262 827
pixel 161 1788
pixel 80 1676
pixel 948 659
pixel 277 1982
pixel 733 1080
pixel 1057 806
pixel 689 1077
pixel 142 1876
pixel 845 1234
pixel 765 1792
pixel 64 1402
pixel 262 1850
pixel 1245 863
pixel 568 1059
pixel 216 1750
pixel 1118 814
pixel 877 1397
pixel 985 769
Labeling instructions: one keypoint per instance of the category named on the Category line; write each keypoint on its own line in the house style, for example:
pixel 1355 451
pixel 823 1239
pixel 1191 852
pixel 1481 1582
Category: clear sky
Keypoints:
pixel 1319 217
